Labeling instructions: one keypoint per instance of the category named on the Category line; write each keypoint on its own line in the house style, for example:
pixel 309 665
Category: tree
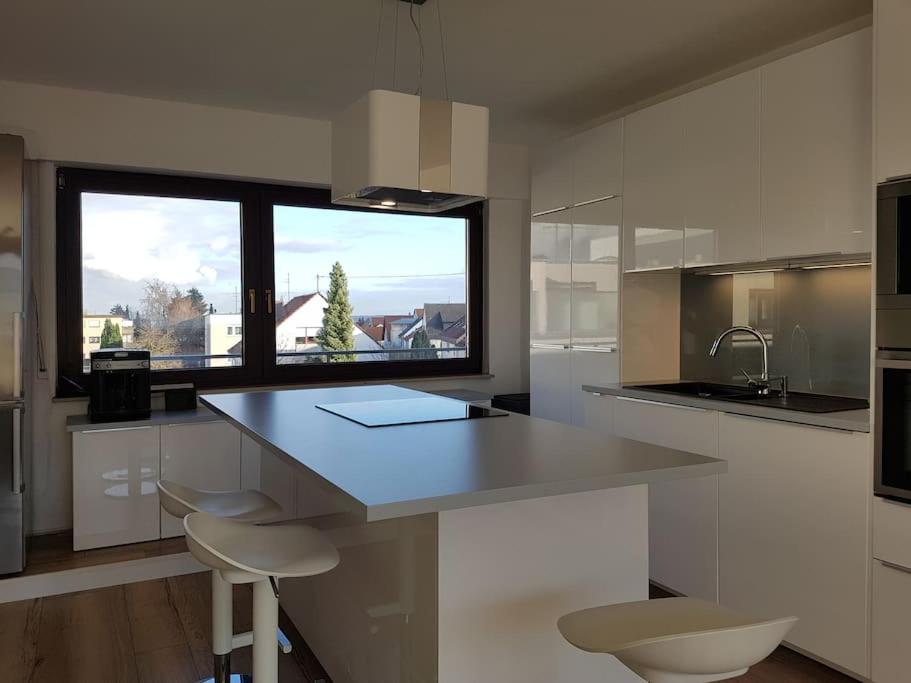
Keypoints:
pixel 197 300
pixel 420 340
pixel 121 311
pixel 156 299
pixel 337 333
pixel 110 336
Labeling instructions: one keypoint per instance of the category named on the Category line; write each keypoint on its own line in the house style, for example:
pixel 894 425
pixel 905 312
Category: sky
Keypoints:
pixel 394 262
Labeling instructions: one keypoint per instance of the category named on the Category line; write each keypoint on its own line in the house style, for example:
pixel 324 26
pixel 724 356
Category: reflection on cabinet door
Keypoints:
pixel 551 383
pixel 653 201
pixel 202 455
pixel 115 500
pixel 551 278
pixel 722 178
pixel 595 274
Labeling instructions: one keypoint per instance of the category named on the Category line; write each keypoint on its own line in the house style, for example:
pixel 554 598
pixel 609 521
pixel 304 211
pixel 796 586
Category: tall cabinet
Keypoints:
pixel 575 262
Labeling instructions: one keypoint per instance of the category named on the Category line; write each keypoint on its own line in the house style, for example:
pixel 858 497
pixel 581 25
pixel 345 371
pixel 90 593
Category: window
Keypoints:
pixel 234 284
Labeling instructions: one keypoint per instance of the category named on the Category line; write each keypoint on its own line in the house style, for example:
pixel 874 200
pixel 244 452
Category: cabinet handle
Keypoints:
pixel 550 346
pixel 897 567
pixel 252 295
pixel 659 403
pixel 269 301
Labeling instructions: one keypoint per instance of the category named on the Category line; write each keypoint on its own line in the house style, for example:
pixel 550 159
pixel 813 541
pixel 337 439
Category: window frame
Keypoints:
pixel 257 274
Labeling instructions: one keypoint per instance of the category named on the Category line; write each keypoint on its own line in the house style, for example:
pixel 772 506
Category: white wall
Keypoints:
pixel 62 125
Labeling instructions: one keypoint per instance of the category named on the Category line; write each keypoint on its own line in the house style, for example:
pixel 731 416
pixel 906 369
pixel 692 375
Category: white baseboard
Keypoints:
pixel 98 576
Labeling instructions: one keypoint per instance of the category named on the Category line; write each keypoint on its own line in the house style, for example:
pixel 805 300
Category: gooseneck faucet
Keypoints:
pixel 762 384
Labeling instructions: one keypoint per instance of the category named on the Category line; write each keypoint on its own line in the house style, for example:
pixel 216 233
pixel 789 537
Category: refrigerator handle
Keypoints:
pixel 17 355
pixel 17 451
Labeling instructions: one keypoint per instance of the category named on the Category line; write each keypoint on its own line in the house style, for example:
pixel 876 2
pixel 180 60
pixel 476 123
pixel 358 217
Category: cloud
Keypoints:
pixel 294 246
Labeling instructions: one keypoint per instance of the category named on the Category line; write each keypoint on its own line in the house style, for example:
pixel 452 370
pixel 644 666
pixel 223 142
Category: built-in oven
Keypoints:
pixel 892 426
pixel 893 265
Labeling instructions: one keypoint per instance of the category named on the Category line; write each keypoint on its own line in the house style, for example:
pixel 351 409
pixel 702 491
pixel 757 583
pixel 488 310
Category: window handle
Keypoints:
pixel 269 301
pixel 252 295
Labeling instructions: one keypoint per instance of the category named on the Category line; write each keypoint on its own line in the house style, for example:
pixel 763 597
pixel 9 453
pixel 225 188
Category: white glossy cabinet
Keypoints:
pixel 889 632
pixel 594 367
pixel 893 94
pixel 115 500
pixel 551 279
pixel 202 455
pixel 552 178
pixel 653 192
pixel 595 274
pixel 597 158
pixel 683 514
pixel 550 374
pixel 816 149
pixel 794 516
pixel 721 182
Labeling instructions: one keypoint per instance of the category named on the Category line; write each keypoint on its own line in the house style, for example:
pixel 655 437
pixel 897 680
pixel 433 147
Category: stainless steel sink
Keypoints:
pixel 795 400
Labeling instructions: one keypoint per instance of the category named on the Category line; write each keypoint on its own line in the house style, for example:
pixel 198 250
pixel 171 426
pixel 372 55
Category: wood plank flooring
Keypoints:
pixel 54 553
pixel 782 666
pixel 148 632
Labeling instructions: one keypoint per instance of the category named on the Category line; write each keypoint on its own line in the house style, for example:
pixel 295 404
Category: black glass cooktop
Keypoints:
pixel 406 411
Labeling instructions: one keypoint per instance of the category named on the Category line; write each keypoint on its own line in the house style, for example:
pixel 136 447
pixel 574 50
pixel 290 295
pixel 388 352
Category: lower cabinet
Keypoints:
pixel 550 371
pixel 683 514
pixel 115 500
pixel 794 515
pixel 202 455
pixel 891 607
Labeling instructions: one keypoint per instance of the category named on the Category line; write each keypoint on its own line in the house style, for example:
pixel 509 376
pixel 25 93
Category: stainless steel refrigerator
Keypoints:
pixel 12 395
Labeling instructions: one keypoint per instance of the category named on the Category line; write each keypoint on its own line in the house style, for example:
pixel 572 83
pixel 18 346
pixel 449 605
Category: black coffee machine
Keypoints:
pixel 119 385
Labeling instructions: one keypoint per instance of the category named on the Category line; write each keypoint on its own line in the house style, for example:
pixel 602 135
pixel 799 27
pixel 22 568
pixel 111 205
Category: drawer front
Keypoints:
pixel 891 607
pixel 892 531
pixel 693 430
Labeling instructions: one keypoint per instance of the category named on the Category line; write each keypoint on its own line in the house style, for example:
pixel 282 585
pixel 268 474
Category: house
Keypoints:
pixel 93 325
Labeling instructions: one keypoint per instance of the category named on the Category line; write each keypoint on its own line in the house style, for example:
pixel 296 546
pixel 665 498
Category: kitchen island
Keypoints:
pixel 461 541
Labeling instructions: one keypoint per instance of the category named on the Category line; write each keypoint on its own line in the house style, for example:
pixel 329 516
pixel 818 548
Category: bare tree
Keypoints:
pixel 156 300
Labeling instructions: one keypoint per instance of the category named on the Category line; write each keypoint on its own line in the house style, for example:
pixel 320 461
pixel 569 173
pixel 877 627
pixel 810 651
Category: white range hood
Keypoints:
pixel 405 152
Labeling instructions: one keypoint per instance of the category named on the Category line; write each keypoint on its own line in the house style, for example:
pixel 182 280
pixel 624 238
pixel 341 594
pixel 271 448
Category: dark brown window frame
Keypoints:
pixel 257 201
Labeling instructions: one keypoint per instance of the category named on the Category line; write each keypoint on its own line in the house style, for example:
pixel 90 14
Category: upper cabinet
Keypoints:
pixel 721 182
pixel 816 149
pixel 653 194
pixel 551 278
pixel 893 94
pixel 598 163
pixel 584 168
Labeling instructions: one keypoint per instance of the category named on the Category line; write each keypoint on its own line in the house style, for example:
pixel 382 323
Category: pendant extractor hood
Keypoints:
pixel 398 151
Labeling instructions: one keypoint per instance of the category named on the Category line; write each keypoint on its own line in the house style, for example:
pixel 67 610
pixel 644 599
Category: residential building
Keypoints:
pixel 93 325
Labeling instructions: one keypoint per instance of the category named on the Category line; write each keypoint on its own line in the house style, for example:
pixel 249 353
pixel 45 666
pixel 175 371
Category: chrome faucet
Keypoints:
pixel 762 384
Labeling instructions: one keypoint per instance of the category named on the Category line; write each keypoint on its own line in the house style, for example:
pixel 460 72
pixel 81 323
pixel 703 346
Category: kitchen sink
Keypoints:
pixel 795 400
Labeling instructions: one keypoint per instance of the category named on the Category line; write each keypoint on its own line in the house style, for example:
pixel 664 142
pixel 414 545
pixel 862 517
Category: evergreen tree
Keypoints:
pixel 420 340
pixel 338 326
pixel 110 336
pixel 197 300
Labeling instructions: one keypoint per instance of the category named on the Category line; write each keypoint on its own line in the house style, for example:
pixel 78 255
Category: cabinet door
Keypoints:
pixel 595 412
pixel 722 178
pixel 551 178
pixel 816 150
pixel 551 278
pixel 550 383
pixel 653 201
pixel 683 514
pixel 794 531
pixel 115 500
pixel 893 96
pixel 595 274
pixel 598 162
pixel 891 607
pixel 595 367
pixel 202 455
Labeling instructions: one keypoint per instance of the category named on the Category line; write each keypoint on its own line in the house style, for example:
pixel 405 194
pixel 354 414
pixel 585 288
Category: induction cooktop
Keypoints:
pixel 405 411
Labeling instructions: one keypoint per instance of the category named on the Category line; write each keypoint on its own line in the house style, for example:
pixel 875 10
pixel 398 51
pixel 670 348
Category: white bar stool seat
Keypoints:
pixel 676 640
pixel 260 555
pixel 250 507
pixel 243 506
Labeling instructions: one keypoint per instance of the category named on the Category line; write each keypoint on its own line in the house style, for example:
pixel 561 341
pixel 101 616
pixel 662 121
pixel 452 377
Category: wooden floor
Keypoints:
pixel 54 553
pixel 782 666
pixel 148 632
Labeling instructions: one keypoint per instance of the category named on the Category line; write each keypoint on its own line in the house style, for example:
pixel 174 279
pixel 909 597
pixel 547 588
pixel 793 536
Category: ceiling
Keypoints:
pixel 543 67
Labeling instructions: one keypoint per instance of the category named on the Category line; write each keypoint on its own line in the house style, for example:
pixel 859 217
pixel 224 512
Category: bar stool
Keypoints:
pixel 676 640
pixel 247 506
pixel 260 555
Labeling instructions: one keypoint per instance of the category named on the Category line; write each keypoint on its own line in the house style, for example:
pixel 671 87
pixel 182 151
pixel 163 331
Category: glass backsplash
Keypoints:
pixel 816 322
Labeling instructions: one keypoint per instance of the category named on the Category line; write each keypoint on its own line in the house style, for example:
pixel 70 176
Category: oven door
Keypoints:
pixel 892 431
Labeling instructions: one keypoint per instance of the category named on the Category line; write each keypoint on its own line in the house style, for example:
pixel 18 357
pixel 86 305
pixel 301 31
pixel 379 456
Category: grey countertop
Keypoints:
pixel 389 472
pixel 847 420
pixel 80 423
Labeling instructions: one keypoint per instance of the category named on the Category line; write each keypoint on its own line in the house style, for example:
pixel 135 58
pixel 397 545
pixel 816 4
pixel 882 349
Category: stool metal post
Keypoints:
pixel 265 621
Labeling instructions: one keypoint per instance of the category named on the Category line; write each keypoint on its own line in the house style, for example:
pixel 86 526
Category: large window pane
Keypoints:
pixel 353 286
pixel 163 274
